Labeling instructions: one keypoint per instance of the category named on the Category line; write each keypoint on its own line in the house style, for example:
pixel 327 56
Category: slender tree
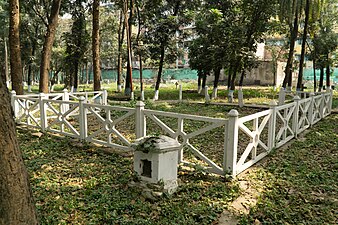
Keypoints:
pixel 96 45
pixel 51 25
pixel 14 47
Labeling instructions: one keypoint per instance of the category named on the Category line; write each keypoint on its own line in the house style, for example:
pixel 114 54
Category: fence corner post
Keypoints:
pixel 281 96
pixel 295 118
pixel 43 112
pixel 82 118
pixel 180 93
pixel 272 125
pixel 140 120
pixel 231 142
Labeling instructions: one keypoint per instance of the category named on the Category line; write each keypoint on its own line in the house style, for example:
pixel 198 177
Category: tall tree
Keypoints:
pixel 120 49
pixel 51 24
pixel 96 45
pixel 14 47
pixel 163 20
pixel 289 13
pixel 16 204
pixel 77 43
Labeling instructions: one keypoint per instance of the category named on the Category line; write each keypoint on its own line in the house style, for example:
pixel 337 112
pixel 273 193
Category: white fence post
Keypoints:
pixel 231 142
pixel 272 125
pixel 140 120
pixel 180 93
pixel 82 118
pixel 295 118
pixel 311 107
pixel 281 96
pixel 105 97
pixel 65 97
pixel 43 112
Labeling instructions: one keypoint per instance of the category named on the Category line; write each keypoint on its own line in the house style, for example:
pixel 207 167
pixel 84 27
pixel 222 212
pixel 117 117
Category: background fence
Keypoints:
pixel 243 141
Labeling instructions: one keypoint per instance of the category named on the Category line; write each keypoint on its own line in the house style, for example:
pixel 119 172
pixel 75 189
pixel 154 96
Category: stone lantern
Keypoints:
pixel 155 161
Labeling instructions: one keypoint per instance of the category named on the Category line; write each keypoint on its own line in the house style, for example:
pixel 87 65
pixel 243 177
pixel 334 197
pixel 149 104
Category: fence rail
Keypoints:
pixel 246 140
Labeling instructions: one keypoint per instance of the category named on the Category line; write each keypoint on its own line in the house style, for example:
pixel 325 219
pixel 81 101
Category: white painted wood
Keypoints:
pixel 230 152
pixel 140 121
pixel 82 118
pixel 148 112
pixel 200 155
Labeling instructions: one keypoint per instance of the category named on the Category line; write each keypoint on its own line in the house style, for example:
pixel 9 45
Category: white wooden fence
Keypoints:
pixel 246 140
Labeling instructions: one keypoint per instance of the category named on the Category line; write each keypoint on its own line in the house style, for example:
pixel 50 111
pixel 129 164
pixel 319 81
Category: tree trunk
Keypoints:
pixel 302 56
pixel 159 75
pixel 241 80
pixel 119 56
pixel 96 45
pixel 16 204
pixel 6 63
pixel 14 47
pixel 29 76
pixel 199 81
pixel 288 69
pixel 47 46
pixel 217 73
pixel 129 79
pixel 321 79
pixel 314 74
pixel 328 83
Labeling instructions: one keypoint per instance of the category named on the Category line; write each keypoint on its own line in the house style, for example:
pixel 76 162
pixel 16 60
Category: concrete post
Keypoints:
pixel 230 143
pixel 180 92
pixel 140 120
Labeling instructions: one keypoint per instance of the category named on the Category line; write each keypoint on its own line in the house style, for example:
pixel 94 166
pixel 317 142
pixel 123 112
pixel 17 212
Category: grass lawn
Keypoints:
pixel 300 182
pixel 76 183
